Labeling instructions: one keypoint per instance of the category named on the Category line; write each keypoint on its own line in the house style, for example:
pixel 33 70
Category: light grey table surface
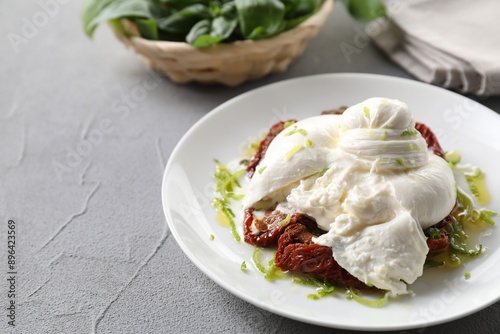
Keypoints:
pixel 94 252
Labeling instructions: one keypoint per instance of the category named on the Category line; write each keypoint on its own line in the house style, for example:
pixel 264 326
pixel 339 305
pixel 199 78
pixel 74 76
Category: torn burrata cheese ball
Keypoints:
pixel 368 179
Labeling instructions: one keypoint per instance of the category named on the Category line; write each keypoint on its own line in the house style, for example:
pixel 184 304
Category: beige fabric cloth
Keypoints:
pixel 451 43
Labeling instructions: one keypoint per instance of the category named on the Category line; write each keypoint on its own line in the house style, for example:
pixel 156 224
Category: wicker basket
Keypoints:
pixel 228 64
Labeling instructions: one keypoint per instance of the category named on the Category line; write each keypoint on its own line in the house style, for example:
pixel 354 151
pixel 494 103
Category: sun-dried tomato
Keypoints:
pixel 297 253
pixel 263 145
pixel 269 227
pixel 438 244
pixel 430 139
pixel 338 111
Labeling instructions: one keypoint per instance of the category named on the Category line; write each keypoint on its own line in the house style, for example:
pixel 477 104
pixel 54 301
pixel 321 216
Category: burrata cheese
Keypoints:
pixel 368 179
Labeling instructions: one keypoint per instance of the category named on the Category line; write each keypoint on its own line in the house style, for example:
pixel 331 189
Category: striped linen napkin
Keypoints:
pixel 450 43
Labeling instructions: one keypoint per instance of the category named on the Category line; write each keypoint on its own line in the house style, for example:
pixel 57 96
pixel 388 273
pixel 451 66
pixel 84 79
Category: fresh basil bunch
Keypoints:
pixel 201 23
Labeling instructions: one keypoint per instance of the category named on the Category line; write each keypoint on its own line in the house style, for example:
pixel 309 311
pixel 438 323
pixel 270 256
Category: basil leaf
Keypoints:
pixel 295 9
pixel 204 41
pixel 365 10
pixel 299 11
pixel 148 28
pixel 228 10
pixel 159 11
pixel 98 11
pixel 117 25
pixel 260 18
pixel 206 33
pixel 200 28
pixel 180 4
pixel 182 21
pixel 223 27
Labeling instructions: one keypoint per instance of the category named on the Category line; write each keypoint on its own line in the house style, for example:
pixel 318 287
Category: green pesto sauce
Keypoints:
pixel 477 186
pixel 464 232
pixel 379 302
pixel 270 271
pixel 226 185
pixel 225 216
pixel 324 289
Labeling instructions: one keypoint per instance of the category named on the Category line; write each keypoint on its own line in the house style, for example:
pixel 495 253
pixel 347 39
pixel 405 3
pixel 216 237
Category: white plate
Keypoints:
pixel 440 296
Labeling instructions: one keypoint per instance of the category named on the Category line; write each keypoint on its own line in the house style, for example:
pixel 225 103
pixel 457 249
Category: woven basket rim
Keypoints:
pixel 315 20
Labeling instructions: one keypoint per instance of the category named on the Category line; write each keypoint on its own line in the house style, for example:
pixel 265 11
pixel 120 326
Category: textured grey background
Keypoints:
pixel 94 251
